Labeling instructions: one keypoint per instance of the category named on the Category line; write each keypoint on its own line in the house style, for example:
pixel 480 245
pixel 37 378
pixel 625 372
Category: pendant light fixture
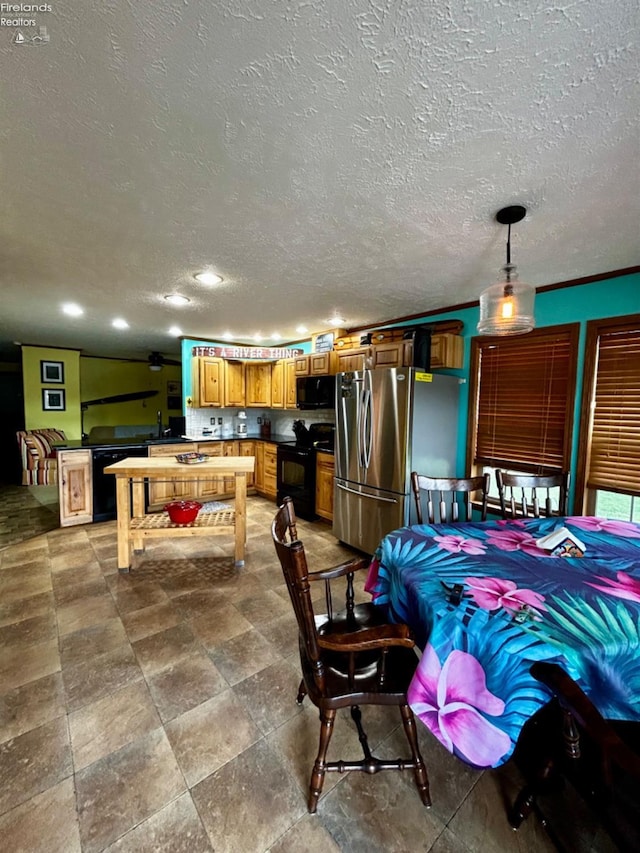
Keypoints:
pixel 506 308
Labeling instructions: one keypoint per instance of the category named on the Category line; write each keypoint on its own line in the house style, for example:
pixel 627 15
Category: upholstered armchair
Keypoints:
pixel 39 464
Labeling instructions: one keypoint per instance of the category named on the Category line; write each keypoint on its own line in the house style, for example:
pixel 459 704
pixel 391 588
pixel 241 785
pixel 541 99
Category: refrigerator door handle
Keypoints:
pixel 366 427
pixel 361 414
pixel 364 495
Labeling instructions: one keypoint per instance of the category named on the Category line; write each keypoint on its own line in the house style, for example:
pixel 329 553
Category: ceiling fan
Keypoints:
pixel 157 361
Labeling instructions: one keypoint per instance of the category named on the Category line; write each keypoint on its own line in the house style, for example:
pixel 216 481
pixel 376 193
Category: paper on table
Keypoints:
pixel 558 537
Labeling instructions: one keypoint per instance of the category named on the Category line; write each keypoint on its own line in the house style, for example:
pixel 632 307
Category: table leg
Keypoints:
pixel 241 518
pixel 123 510
pixel 137 489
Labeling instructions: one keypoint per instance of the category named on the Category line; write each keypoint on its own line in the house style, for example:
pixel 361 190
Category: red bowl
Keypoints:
pixel 183 512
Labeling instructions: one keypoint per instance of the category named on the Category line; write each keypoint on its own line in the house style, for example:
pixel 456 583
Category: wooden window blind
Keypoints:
pixel 524 397
pixel 614 392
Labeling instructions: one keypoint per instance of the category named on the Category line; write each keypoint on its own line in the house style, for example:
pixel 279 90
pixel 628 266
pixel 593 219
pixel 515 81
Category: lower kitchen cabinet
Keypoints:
pixel 259 473
pixel 248 448
pixel 270 487
pixel 75 489
pixel 173 489
pixel 324 485
pixel 213 488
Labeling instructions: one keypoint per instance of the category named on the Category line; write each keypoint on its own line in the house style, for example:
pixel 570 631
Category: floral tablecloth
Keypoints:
pixel 517 605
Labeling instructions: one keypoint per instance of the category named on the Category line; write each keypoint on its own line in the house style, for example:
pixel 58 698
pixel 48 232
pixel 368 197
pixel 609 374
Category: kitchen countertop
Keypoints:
pixel 77 444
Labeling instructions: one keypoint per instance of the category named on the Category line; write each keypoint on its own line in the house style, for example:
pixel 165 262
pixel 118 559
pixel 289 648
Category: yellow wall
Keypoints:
pixel 105 377
pixel 35 416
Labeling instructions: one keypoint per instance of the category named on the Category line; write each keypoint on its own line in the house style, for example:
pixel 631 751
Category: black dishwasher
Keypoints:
pixel 104 485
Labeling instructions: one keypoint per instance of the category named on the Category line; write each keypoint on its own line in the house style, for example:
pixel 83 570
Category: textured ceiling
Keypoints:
pixel 321 156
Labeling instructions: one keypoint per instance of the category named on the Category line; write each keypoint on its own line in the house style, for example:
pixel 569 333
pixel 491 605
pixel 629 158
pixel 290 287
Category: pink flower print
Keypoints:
pixel 515 540
pixel 609 525
pixel 625 587
pixel 511 522
pixel 456 544
pixel 449 699
pixel 492 593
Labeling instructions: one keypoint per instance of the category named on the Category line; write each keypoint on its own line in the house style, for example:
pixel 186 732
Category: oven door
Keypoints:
pixel 297 478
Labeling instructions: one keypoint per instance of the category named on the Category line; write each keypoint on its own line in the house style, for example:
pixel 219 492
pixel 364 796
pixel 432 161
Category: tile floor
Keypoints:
pixel 156 711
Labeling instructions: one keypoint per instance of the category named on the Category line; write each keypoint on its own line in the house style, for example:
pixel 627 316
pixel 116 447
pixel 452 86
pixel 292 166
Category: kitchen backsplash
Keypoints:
pixel 199 420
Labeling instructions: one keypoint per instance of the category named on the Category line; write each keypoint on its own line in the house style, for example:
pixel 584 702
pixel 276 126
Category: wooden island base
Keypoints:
pixel 135 525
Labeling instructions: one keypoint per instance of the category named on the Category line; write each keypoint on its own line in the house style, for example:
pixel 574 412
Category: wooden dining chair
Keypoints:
pixel 534 496
pixel 444 497
pixel 600 757
pixel 348 659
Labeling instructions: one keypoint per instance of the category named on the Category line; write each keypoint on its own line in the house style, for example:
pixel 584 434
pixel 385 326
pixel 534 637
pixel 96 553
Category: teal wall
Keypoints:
pixel 611 297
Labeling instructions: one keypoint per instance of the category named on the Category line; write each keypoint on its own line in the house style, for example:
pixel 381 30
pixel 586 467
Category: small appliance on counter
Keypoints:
pixel 265 428
pixel 241 425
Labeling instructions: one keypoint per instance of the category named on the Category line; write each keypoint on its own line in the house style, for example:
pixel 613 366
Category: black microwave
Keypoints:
pixel 316 392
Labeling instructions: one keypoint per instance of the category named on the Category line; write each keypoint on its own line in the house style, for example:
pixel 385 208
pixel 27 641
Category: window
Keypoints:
pixel 609 452
pixel 521 401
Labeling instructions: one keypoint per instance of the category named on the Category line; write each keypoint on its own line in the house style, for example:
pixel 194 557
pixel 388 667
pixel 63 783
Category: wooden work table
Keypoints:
pixel 135 525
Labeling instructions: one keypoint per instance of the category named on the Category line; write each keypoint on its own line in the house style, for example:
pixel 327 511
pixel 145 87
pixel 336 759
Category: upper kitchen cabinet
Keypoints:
pixel 352 359
pixel 316 364
pixel 207 382
pixel 290 391
pixel 234 384
pixel 446 350
pixel 277 385
pixel 258 384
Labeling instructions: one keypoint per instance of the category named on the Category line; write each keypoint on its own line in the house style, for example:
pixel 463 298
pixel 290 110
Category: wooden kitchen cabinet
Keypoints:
pixel 316 364
pixel 75 490
pixel 277 385
pixel 396 354
pixel 270 488
pixel 174 489
pixel 207 382
pixel 290 392
pixel 259 467
pixel 248 448
pixel 213 488
pixel 353 359
pixel 234 384
pixel 258 384
pixel 325 466
pixel 447 350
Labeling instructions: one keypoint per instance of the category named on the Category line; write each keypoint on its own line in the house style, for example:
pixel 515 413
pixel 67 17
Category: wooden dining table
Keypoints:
pixel 135 525
pixel 485 601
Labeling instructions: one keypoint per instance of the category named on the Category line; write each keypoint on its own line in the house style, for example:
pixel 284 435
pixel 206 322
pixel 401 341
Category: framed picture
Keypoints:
pixel 174 389
pixel 52 371
pixel 53 400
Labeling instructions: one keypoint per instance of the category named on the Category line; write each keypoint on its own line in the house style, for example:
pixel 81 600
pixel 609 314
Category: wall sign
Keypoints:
pixel 247 353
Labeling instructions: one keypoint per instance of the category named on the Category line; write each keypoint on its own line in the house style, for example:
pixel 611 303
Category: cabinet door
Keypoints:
pixel 389 355
pixel 324 485
pixel 75 490
pixel 212 488
pixel 247 448
pixel 258 384
pixel 259 473
pixel 173 489
pixel 210 381
pixel 234 384
pixel 321 363
pixel 350 360
pixel 231 448
pixel 270 470
pixel 277 385
pixel 301 365
pixel 291 396
pixel 446 350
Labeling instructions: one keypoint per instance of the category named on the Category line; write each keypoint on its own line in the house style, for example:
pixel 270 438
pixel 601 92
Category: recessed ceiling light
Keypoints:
pixel 208 277
pixel 337 320
pixel 119 323
pixel 276 336
pixel 257 337
pixel 175 331
pixel 227 336
pixel 72 309
pixel 301 330
pixel 177 299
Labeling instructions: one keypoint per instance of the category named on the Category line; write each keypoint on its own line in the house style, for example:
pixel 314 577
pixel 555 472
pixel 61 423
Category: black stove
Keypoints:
pixel 297 466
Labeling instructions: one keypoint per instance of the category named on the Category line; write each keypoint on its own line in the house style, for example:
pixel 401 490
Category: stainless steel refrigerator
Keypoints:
pixel 389 422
